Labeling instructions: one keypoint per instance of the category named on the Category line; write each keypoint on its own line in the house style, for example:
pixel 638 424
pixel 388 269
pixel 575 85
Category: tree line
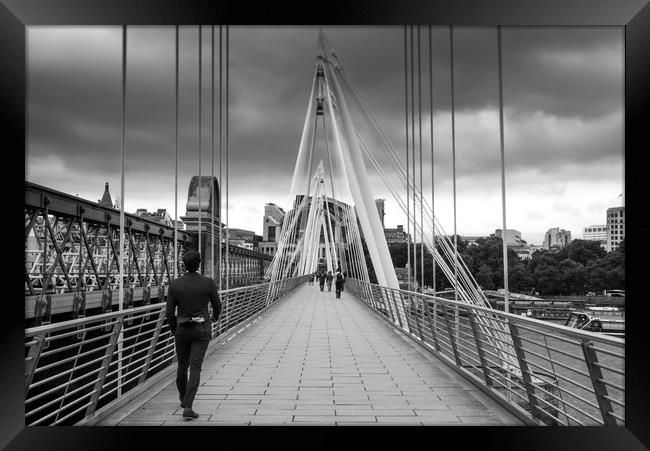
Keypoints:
pixel 582 266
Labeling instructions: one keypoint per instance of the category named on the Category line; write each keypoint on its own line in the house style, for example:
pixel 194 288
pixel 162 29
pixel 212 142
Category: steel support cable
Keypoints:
pixel 337 139
pixel 385 142
pixel 503 178
pixel 122 176
pixel 287 240
pixel 415 257
pixel 227 151
pixel 200 117
pixel 356 265
pixel 379 169
pixel 329 230
pixel 353 250
pixel 212 187
pixel 356 249
pixel 444 266
pixel 287 237
pixel 453 155
pixel 220 251
pixel 446 242
pixel 420 147
pixel 449 274
pixel 408 216
pixel 293 230
pixel 279 262
pixel 307 236
pixel 354 258
pixel 326 236
pixel 433 239
pixel 362 256
pixel 329 157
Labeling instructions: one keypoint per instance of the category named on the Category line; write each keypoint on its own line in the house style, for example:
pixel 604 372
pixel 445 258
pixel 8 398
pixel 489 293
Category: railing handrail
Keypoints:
pixel 614 341
pixel 543 372
pixel 124 349
pixel 48 328
pixel 54 327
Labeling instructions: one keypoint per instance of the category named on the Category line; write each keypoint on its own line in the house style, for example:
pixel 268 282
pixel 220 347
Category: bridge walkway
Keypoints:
pixel 312 359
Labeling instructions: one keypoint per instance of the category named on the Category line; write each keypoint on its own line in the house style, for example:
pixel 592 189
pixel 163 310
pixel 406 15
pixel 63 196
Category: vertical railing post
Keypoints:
pixel 479 348
pixel 432 325
pixel 406 314
pixel 152 346
pixel 31 361
pixel 525 373
pixel 415 314
pixel 386 301
pixel 397 313
pixel 452 338
pixel 600 389
pixel 101 376
pixel 371 295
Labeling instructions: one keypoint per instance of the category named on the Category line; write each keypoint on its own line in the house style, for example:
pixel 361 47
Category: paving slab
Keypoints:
pixel 313 359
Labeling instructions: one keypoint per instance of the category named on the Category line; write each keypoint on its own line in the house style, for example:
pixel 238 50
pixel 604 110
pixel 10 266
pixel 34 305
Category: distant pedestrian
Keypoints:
pixel 311 279
pixel 189 320
pixel 321 280
pixel 340 280
pixel 329 278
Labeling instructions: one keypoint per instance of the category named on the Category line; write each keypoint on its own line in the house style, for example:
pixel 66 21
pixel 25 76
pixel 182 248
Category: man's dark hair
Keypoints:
pixel 191 260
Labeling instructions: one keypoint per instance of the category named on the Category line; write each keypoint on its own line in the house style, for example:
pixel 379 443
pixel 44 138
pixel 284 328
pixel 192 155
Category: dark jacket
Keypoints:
pixel 339 281
pixel 191 294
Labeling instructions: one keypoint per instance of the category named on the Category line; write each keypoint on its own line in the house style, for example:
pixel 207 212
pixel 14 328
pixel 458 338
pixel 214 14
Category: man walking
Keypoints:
pixel 321 280
pixel 329 280
pixel 340 280
pixel 190 294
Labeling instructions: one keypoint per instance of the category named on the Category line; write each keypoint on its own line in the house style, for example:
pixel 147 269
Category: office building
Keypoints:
pixel 596 233
pixel 556 238
pixel 615 227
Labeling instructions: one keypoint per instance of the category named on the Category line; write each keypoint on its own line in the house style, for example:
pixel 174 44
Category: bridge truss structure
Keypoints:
pixel 73 257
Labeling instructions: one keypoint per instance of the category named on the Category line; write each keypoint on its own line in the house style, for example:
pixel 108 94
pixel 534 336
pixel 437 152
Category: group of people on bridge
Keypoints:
pixel 322 277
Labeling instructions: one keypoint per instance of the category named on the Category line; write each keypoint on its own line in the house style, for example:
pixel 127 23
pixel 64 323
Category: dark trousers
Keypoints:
pixel 191 343
pixel 322 285
pixel 339 288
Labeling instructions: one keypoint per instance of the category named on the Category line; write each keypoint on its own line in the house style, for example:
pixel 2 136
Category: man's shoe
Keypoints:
pixel 189 414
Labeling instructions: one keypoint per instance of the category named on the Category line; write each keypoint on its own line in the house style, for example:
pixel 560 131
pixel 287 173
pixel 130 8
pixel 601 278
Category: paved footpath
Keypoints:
pixel 313 359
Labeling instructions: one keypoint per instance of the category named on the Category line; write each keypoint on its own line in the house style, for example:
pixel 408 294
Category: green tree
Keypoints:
pixel 582 251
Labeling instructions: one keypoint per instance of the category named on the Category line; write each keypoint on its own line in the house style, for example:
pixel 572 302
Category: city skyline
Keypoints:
pixel 394 227
pixel 562 98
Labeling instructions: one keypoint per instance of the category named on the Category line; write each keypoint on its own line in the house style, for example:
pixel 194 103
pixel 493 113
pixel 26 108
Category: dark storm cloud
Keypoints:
pixel 562 95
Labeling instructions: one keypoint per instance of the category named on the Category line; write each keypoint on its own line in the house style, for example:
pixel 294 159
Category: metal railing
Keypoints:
pixel 563 376
pixel 75 367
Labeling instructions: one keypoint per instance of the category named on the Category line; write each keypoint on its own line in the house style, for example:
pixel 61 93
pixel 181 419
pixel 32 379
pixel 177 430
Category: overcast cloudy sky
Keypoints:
pixel 563 97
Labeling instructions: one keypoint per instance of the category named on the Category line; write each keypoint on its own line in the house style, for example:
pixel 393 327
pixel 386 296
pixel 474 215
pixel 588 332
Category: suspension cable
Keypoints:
pixel 503 178
pixel 406 115
pixel 176 163
pixel 219 248
pixel 415 256
pixel 200 92
pixel 453 156
pixel 433 229
pixel 227 151
pixel 122 174
pixel 420 147
pixel 212 156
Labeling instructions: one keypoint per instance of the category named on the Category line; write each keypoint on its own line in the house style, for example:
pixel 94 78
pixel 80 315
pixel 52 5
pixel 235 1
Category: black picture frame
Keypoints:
pixel 634 15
